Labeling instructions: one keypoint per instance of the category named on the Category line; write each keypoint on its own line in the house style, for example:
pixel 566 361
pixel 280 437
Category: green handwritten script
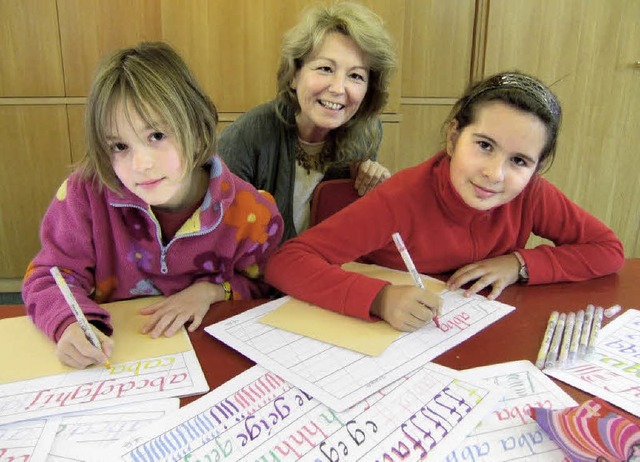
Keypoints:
pixel 612 371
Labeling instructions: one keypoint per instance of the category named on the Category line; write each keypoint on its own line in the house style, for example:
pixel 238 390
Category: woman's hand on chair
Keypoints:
pixel 369 175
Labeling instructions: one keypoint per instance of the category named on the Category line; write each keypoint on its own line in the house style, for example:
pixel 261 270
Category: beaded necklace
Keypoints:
pixel 318 162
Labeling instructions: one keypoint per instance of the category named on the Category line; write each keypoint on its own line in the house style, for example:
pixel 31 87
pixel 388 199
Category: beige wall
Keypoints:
pixel 51 48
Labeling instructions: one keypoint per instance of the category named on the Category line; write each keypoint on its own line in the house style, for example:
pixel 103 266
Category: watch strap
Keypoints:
pixel 523 272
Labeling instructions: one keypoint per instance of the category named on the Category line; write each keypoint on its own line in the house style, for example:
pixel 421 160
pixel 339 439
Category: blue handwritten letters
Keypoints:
pixel 424 413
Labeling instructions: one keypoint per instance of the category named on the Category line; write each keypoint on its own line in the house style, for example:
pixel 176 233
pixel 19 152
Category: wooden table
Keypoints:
pixel 514 337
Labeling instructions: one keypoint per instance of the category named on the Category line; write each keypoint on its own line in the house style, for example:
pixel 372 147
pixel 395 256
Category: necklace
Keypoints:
pixel 318 162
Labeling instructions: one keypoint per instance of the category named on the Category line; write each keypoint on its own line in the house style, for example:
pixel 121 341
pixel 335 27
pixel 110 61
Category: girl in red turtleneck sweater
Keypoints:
pixel 468 210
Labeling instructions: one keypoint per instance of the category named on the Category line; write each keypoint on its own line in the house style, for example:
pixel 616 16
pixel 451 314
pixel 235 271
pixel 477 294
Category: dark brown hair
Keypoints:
pixel 521 91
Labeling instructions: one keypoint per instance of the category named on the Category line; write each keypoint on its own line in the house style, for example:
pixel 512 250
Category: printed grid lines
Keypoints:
pixel 344 375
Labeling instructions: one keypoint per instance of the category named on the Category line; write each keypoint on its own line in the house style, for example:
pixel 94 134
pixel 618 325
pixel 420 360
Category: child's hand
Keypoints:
pixel 404 307
pixel 369 175
pixel 497 272
pixel 74 348
pixel 190 304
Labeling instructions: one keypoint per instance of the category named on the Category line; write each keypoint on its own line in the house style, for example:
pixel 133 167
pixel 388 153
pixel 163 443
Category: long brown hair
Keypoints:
pixel 367 31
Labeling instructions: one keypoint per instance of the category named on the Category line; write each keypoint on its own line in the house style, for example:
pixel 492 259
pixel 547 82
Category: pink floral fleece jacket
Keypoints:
pixel 108 247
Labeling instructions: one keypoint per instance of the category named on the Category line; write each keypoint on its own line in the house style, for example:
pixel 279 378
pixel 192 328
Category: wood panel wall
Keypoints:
pixel 587 52
pixel 51 48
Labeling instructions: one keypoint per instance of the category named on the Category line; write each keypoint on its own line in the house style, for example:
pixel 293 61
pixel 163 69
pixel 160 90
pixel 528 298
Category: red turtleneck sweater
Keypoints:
pixel 442 234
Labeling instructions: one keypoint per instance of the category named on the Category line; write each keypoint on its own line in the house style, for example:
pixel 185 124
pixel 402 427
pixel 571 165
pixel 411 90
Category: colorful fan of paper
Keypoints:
pixel 592 432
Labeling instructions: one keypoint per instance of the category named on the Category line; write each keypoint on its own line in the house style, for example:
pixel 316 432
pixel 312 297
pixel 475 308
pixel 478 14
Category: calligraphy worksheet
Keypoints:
pixel 339 377
pixel 509 432
pixel 81 436
pixel 169 376
pixel 19 441
pixel 259 416
pixel 76 436
pixel 612 372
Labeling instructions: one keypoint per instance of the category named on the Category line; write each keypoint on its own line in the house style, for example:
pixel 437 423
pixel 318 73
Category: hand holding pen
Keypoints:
pixel 407 308
pixel 80 345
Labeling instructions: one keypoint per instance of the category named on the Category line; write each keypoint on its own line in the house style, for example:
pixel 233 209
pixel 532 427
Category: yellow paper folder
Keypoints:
pixel 26 353
pixel 370 338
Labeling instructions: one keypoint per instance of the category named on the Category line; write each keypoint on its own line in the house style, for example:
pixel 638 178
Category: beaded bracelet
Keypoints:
pixel 227 290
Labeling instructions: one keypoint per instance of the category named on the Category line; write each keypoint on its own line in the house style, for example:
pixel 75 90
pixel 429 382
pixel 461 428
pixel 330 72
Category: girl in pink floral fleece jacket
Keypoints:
pixel 150 210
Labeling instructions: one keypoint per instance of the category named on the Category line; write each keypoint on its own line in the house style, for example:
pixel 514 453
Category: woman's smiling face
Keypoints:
pixel 330 86
pixel 494 157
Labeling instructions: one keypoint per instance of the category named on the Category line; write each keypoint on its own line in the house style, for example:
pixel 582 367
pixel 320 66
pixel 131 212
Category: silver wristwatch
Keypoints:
pixel 523 272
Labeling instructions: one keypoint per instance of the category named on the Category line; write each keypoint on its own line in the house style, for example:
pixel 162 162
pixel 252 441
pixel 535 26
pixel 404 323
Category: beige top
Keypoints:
pixel 305 184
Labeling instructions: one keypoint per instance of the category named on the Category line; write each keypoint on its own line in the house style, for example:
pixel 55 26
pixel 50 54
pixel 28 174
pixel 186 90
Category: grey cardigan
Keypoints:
pixel 261 149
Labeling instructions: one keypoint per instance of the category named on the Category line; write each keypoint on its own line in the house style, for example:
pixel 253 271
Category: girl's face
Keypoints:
pixel 330 86
pixel 147 160
pixel 494 157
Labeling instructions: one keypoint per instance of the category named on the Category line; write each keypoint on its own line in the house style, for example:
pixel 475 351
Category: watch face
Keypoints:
pixel 524 274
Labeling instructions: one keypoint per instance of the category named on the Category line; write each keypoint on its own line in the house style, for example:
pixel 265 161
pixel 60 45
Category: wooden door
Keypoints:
pixel 35 160
pixel 436 65
pixel 589 52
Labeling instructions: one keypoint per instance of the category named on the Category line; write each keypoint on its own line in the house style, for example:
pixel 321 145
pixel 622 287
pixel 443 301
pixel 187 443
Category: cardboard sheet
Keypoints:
pixel 26 353
pixel 370 338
